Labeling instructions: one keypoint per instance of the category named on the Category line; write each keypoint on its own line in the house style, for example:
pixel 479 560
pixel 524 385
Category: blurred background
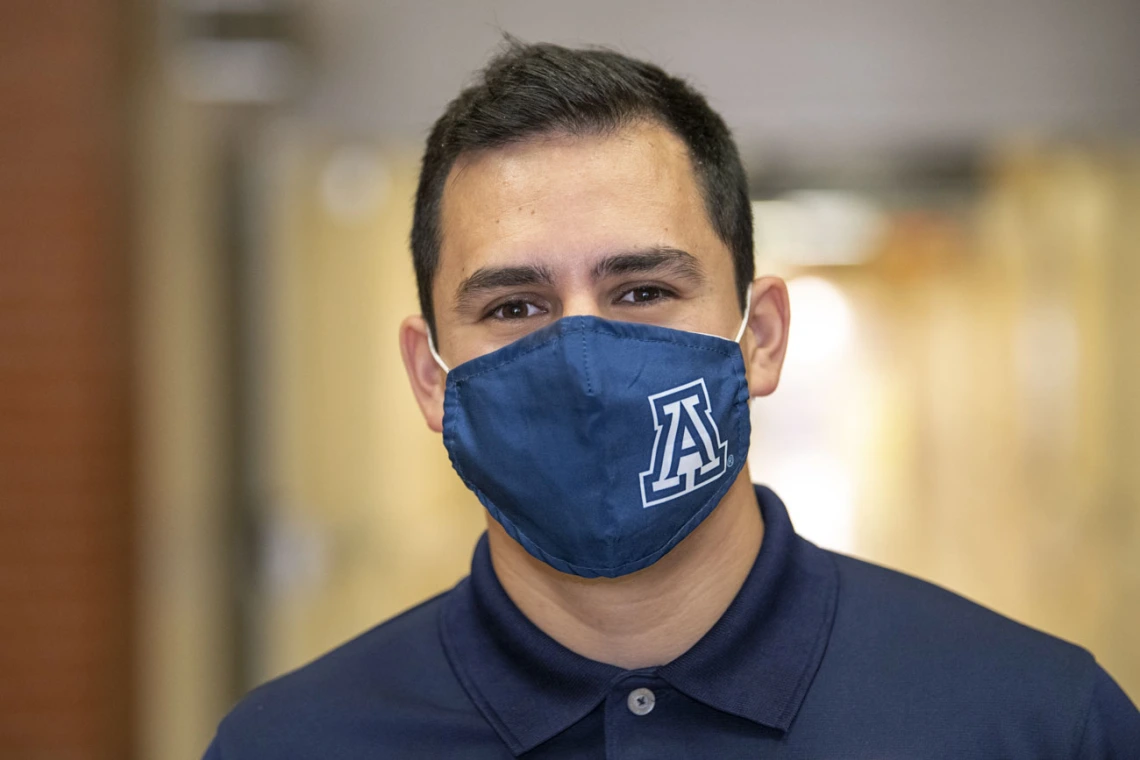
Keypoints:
pixel 211 467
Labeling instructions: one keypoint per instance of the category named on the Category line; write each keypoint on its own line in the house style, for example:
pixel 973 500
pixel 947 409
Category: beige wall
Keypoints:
pixel 369 517
pixel 184 644
pixel 981 429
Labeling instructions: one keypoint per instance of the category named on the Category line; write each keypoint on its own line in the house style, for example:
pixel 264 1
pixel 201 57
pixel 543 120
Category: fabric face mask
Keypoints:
pixel 600 445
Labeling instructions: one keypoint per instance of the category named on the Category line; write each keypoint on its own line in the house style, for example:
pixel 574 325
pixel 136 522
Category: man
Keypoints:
pixel 591 335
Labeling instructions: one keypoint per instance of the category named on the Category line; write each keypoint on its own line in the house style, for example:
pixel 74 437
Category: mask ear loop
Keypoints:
pixel 438 360
pixel 747 313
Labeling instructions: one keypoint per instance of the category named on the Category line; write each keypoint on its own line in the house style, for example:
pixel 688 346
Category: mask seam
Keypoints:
pixel 586 364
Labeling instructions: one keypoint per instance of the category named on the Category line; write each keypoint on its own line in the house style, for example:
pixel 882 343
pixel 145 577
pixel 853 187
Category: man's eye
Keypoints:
pixel 515 310
pixel 644 294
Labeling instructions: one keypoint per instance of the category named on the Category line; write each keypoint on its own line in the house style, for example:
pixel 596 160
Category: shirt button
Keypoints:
pixel 641 701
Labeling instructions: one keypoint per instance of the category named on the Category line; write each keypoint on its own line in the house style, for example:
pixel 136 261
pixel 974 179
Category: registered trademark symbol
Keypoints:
pixel 730 460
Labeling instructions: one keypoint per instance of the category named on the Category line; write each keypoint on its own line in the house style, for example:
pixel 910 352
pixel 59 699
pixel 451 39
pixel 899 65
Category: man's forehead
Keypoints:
pixel 648 138
pixel 580 196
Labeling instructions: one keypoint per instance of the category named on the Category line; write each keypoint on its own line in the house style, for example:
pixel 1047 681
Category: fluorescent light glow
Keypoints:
pixel 822 322
pixel 817 228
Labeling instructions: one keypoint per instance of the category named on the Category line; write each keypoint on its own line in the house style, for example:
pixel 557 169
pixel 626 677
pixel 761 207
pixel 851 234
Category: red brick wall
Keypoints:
pixel 64 480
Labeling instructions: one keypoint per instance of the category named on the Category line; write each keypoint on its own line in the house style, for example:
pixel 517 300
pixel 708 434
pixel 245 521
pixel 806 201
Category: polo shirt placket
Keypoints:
pixel 745 679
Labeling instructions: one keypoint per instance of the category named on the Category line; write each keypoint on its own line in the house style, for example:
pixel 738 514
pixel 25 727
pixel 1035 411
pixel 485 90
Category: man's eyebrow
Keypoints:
pixel 671 260
pixel 493 278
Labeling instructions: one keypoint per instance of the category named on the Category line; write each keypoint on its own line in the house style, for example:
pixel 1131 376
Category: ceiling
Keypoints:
pixel 814 78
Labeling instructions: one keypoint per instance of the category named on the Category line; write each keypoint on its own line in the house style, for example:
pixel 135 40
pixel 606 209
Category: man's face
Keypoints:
pixel 609 226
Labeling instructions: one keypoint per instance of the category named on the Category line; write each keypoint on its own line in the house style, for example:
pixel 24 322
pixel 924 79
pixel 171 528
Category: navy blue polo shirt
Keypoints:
pixel 819 657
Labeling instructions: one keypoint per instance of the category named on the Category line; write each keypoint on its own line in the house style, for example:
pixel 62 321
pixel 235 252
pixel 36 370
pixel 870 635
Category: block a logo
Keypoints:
pixel 687 452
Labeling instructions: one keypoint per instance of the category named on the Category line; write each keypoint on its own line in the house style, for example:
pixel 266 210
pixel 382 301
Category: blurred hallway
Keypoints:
pixel 212 469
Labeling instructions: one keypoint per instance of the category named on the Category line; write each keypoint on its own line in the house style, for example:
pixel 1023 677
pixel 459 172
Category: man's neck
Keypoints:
pixel 649 617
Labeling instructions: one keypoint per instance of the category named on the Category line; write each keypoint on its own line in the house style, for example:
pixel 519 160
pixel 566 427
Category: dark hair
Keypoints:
pixel 530 90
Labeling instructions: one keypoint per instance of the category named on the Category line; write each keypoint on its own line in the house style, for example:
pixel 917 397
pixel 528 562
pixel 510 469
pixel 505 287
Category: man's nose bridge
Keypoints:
pixel 580 305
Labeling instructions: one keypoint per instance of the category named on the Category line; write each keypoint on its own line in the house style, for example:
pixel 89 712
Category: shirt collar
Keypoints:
pixel 756 662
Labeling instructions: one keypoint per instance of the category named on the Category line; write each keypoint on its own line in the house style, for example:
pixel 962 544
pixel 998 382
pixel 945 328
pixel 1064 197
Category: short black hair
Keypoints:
pixel 529 90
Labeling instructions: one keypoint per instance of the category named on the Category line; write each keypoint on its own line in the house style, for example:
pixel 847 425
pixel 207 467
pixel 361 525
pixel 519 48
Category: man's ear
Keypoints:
pixel 766 340
pixel 427 378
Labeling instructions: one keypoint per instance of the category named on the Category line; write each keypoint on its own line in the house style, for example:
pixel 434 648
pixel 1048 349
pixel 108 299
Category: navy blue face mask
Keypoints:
pixel 600 445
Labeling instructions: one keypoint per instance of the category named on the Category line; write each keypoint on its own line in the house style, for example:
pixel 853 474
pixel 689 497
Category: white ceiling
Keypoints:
pixel 803 77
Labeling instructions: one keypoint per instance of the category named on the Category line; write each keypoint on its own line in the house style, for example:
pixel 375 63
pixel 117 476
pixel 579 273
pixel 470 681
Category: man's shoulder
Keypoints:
pixel 385 682
pixel 910 664
pixel 375 659
pixel 892 609
pixel 915 649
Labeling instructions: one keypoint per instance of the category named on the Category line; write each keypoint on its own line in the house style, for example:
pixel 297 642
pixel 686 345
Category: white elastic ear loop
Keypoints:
pixel 747 313
pixel 435 354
